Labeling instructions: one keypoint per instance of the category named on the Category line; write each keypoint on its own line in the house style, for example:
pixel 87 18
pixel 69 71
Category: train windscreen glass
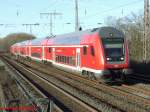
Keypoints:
pixel 114 49
pixel 113 52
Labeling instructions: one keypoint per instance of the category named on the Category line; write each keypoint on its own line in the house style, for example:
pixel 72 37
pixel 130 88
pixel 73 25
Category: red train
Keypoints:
pixel 99 53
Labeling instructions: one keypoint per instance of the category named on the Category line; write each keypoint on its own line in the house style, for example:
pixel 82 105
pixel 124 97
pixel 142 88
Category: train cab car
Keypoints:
pixel 106 54
pixel 116 59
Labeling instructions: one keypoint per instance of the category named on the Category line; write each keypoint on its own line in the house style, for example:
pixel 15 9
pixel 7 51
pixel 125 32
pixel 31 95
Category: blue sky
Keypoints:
pixel 14 13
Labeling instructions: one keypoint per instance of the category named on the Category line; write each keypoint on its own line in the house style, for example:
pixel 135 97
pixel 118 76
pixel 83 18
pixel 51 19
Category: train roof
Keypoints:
pixel 75 37
pixel 24 42
pixel 16 44
pixel 106 32
pixel 70 38
pixel 38 41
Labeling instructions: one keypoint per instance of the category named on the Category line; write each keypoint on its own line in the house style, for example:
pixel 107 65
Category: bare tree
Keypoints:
pixel 14 38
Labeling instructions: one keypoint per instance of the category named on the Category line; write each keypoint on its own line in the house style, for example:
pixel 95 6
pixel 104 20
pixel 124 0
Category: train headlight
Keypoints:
pixel 122 58
pixel 108 59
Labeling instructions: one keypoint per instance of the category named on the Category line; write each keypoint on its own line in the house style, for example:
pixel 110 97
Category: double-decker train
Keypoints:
pixel 99 53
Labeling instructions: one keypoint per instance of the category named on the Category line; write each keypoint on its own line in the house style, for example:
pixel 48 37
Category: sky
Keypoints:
pixel 92 13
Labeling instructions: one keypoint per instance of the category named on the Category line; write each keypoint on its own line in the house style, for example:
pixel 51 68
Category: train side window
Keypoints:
pixel 50 50
pixel 92 51
pixel 67 60
pixel 56 58
pixel 70 60
pixel 60 58
pixel 63 59
pixel 84 50
pixel 73 60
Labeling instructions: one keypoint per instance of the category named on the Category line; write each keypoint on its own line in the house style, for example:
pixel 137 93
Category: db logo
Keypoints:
pixel 115 66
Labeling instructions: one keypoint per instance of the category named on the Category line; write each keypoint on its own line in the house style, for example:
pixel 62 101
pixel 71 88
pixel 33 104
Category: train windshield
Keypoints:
pixel 113 52
pixel 113 48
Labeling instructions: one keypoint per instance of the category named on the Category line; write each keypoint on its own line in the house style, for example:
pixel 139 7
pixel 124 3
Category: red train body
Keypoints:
pixel 97 53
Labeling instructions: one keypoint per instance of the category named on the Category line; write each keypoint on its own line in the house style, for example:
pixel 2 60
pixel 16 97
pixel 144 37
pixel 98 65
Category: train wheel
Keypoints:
pixel 45 62
pixel 92 76
pixel 87 74
pixel 84 73
pixel 42 61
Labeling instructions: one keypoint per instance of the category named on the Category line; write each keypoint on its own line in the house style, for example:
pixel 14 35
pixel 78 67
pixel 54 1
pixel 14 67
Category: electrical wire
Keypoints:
pixel 120 6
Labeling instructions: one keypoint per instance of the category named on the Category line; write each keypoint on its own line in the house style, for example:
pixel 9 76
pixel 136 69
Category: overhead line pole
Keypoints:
pixel 30 26
pixel 50 15
pixel 76 16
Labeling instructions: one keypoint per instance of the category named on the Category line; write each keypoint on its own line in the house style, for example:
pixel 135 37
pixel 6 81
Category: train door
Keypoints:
pixel 78 59
pixel 53 54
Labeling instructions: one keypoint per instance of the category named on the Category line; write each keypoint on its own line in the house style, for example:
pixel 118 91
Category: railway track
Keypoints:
pixel 9 92
pixel 145 87
pixel 35 97
pixel 141 83
pixel 141 77
pixel 127 89
pixel 71 102
pixel 124 101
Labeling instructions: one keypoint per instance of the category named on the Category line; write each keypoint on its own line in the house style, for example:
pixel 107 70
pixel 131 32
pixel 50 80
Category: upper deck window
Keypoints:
pixel 92 51
pixel 84 50
pixel 50 50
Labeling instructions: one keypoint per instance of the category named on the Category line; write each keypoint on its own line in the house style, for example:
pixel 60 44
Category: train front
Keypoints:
pixel 115 49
